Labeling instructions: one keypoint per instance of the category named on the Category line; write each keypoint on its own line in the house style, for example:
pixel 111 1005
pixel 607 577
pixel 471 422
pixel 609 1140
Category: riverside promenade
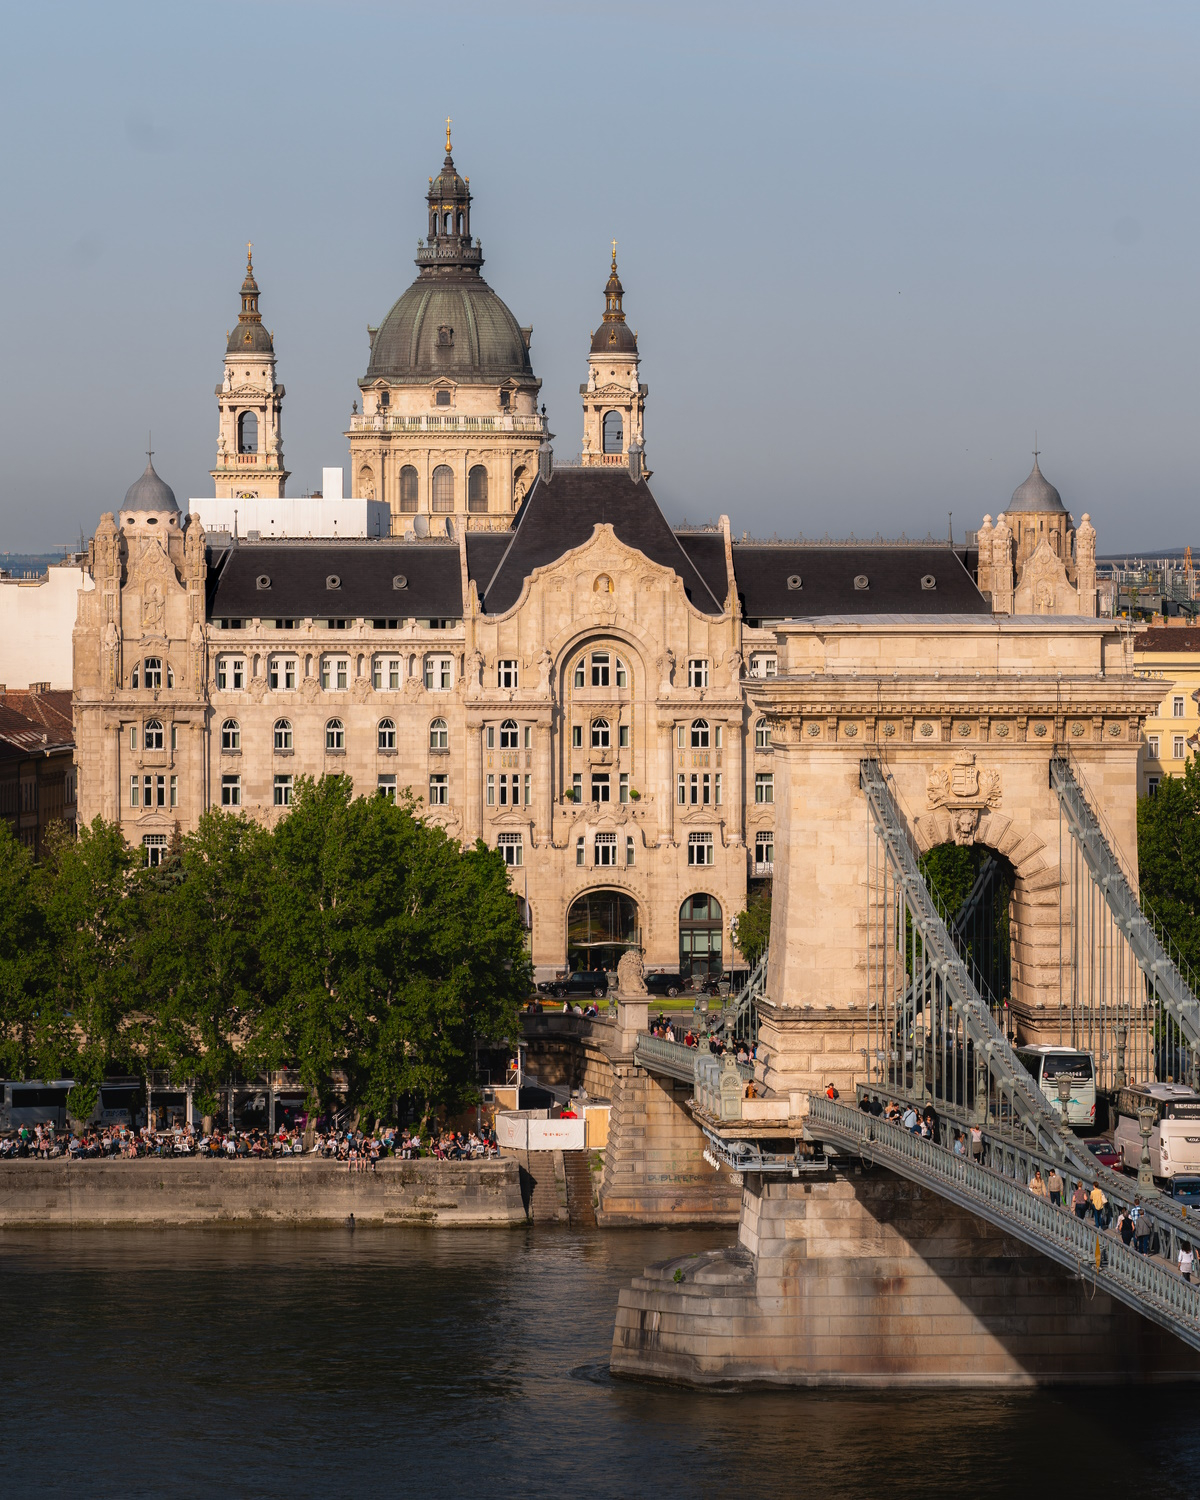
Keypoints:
pixel 93 1194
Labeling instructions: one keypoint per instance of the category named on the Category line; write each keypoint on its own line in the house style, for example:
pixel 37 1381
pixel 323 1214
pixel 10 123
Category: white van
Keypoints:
pixel 1046 1065
pixel 1175 1136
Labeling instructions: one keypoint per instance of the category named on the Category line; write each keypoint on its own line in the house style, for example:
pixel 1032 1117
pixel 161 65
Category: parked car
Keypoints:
pixel 581 982
pixel 1105 1152
pixel 666 984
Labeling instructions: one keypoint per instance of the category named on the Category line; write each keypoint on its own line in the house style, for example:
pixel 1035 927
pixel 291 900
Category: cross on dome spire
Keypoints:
pixel 448 124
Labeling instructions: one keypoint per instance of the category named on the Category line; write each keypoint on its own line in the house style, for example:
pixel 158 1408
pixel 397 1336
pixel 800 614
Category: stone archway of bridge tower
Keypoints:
pixel 1040 931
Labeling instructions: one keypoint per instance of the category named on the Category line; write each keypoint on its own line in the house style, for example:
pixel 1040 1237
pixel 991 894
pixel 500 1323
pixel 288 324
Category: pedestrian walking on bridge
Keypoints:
pixel 1055 1183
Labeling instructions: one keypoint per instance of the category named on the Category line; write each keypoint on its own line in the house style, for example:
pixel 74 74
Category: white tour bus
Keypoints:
pixel 1046 1065
pixel 1175 1137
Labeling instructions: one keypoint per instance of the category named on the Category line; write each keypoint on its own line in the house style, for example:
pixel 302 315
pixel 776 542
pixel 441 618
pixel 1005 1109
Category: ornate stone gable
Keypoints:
pixel 1044 588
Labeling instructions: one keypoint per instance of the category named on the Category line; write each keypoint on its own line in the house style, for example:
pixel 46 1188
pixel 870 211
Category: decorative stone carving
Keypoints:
pixel 666 670
pixel 631 974
pixel 962 784
pixel 963 825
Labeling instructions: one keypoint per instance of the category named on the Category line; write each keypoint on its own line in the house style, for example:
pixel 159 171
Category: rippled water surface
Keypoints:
pixel 445 1363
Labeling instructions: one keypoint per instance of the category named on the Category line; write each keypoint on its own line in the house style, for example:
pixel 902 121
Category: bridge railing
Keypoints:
pixel 1139 1281
pixel 740 1021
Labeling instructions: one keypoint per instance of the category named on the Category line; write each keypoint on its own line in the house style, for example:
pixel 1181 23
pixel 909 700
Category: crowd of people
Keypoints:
pixel 718 1045
pixel 357 1150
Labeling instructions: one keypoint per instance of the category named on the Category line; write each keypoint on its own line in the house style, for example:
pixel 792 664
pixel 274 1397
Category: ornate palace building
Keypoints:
pixel 535 652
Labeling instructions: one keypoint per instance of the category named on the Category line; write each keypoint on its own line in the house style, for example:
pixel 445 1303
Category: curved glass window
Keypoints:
pixel 601 925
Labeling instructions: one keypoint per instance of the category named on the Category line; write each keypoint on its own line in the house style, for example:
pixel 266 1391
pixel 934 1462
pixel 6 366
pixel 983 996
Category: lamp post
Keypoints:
pixel 1064 1101
pixel 1145 1176
pixel 1121 1036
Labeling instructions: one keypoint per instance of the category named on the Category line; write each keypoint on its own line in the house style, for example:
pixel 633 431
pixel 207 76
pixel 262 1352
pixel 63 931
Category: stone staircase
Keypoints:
pixel 581 1210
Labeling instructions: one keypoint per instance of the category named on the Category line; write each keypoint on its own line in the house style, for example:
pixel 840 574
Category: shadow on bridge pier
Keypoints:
pixel 865 1279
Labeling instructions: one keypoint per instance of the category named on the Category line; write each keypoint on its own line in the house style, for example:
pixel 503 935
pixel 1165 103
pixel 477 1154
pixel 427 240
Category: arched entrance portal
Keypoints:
pixel 975 886
pixel 700 946
pixel 601 925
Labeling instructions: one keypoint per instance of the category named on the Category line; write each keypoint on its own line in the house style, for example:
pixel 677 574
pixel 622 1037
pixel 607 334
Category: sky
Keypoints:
pixel 869 248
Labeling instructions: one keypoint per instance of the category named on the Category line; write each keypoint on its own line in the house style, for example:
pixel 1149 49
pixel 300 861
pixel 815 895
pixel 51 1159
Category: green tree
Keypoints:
pixel 92 905
pixel 24 961
pixel 387 949
pixel 199 951
pixel 1169 858
pixel 753 926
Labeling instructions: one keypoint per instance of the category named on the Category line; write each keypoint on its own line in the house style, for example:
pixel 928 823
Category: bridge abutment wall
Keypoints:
pixel 654 1167
pixel 867 1280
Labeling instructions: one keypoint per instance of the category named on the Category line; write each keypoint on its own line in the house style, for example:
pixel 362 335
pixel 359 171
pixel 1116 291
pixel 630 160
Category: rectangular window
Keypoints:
pixel 135 791
pixel 1152 786
pixel 623 736
pixel 623 787
pixel 577 786
pixel 528 789
pixel 606 849
pixel 231 673
pixel 489 737
pixel 438 673
pixel 174 791
pixel 283 791
pixel 281 674
pixel 160 791
pixel 682 796
pixel 1177 706
pixel 1152 746
pixel 700 849
pixel 600 668
pixel 174 736
pixel 600 786
pixel 439 791
pixel 335 673
pixel 395 674
pixel 155 845
pixel 622 675
pixel 509 845
pixel 529 736
pixel 503 791
pixel 576 736
pixel 681 736
pixel 133 736
pixel 718 736
pixel 629 849
pixel 578 851
pixel 231 791
pixel 764 786
pixel 490 797
pixel 764 666
pixel 698 672
pixel 1177 747
pixel 147 791
pixel 385 787
pixel 507 677
pixel 717 790
pixel 764 852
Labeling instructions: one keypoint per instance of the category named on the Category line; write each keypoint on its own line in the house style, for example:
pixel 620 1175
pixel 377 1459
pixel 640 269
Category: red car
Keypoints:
pixel 1105 1152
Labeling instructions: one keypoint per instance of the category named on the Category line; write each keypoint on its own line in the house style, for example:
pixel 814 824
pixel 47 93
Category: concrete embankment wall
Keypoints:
pixel 89 1194
pixel 869 1281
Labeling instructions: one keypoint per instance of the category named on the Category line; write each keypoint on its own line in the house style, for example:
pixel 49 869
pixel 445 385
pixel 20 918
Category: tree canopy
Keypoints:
pixel 351 942
pixel 1169 858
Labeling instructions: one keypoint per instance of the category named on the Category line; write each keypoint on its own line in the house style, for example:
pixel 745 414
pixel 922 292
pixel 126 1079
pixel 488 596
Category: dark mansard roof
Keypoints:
pixel 775 580
pixel 298 578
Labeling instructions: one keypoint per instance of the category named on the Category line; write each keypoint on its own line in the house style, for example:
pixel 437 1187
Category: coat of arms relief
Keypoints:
pixel 966 790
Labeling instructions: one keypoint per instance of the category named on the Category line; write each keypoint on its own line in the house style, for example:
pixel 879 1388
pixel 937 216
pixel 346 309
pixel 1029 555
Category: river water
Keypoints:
pixel 283 1362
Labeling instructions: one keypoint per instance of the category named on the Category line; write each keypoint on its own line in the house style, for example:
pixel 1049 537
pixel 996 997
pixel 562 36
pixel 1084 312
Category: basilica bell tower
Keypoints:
pixel 614 401
pixel 250 407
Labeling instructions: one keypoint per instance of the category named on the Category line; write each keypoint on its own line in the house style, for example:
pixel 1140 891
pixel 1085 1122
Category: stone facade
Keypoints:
pixel 249 408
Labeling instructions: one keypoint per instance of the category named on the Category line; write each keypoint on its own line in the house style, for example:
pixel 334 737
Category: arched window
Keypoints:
pixel 622 675
pixel 408 490
pixel 613 431
pixel 449 223
pixel 477 489
pixel 600 734
pixel 335 735
pixel 439 735
pixel 153 670
pixel 461 223
pixel 443 489
pixel 581 672
pixel 283 734
pixel 508 735
pixel 247 430
pixel 762 735
pixel 231 735
pixel 152 737
pixel 387 734
pixel 700 934
pixel 699 734
pixel 170 676
pixel 135 676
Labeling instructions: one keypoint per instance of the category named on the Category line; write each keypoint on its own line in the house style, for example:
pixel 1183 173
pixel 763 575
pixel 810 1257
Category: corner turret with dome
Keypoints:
pixel 149 501
pixel 614 399
pixel 249 407
pixel 449 421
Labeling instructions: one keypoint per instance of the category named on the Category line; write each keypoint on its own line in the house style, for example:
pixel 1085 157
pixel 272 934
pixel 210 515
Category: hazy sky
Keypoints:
pixel 868 247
